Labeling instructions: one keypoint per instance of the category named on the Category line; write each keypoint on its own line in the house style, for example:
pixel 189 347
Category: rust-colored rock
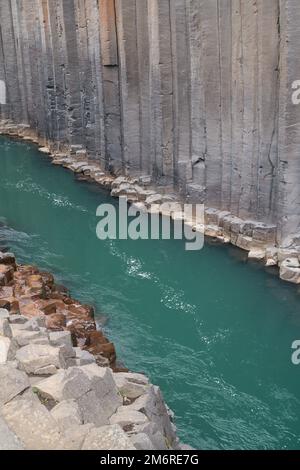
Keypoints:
pixel 56 321
pixel 47 306
pixel 30 310
pixel 32 293
pixel 6 274
pixel 10 303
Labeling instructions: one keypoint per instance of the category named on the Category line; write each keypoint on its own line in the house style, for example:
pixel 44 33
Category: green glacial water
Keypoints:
pixel 214 332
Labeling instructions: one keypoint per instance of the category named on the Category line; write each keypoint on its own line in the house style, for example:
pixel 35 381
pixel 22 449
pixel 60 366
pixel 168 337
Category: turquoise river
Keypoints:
pixel 213 331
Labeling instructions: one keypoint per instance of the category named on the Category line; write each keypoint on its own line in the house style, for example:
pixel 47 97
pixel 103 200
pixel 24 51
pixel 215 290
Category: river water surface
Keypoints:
pixel 215 333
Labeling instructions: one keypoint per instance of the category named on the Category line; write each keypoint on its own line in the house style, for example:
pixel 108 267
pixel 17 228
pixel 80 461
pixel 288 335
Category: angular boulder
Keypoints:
pixel 107 438
pixel 32 423
pixel 67 414
pixel 13 382
pixel 131 385
pixel 33 357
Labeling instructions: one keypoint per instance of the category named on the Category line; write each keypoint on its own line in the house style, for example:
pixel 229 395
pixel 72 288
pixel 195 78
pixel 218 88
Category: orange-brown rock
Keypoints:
pixel 11 304
pixel 56 321
pixel 47 306
pixel 86 312
pixel 30 310
pixel 95 338
pixel 6 274
pixel 34 293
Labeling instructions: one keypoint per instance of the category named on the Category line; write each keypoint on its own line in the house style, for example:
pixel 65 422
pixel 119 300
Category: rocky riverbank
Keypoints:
pixel 61 387
pixel 258 239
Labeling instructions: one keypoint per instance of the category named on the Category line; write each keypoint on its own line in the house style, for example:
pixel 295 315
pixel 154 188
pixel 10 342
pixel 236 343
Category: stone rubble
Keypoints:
pixel 54 394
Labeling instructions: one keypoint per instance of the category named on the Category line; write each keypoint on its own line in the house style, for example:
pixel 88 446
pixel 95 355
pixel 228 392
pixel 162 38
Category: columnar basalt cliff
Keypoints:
pixel 192 94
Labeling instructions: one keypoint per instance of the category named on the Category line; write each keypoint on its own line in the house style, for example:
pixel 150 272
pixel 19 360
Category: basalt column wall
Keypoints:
pixel 195 94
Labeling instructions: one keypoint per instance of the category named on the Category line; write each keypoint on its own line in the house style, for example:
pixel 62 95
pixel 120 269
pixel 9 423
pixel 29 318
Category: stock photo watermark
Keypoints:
pixel 160 222
pixel 2 92
pixel 296 352
pixel 296 93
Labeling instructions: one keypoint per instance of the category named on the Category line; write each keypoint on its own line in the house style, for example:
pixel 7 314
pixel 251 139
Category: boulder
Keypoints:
pixel 128 418
pixel 7 350
pixel 4 313
pixel 6 274
pixel 107 438
pixel 154 434
pixel 131 385
pixel 32 423
pixel 33 357
pixel 257 254
pixel 52 387
pixel 83 357
pixel 67 414
pixel 8 440
pixel 142 442
pixel 290 270
pixel 75 435
pixel 63 339
pixel 103 399
pixel 5 329
pixel 23 337
pixel 56 321
pixel 153 406
pixel 244 242
pixel 17 319
pixel 13 382
pixel 91 386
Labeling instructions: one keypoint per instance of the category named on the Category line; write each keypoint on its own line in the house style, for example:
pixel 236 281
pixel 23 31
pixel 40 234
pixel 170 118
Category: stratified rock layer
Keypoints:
pixel 194 94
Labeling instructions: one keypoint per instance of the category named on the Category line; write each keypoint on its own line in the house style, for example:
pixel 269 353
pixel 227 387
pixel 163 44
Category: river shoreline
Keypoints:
pixel 51 356
pixel 257 239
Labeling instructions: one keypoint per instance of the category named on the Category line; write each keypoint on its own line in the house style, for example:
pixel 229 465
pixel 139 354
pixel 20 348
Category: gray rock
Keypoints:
pixel 63 339
pixel 91 386
pixel 74 436
pixel 126 417
pixel 5 329
pixel 32 423
pixel 107 438
pixel 7 350
pixel 52 387
pixel 13 382
pixel 84 357
pixel 153 406
pixel 35 324
pixel 67 414
pixel 8 440
pixel 142 442
pixel 106 393
pixel 154 433
pixel 4 313
pixel 33 357
pixel 24 337
pixel 290 270
pixel 131 385
pixel 18 319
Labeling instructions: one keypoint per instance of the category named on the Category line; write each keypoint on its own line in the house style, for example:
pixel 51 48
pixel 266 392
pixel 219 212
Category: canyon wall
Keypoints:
pixel 195 94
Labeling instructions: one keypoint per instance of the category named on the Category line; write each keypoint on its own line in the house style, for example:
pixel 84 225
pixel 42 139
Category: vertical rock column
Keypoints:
pixel 288 201
pixel 111 89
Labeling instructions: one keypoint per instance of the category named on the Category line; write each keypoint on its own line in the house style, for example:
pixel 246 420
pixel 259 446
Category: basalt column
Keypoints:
pixel 192 94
